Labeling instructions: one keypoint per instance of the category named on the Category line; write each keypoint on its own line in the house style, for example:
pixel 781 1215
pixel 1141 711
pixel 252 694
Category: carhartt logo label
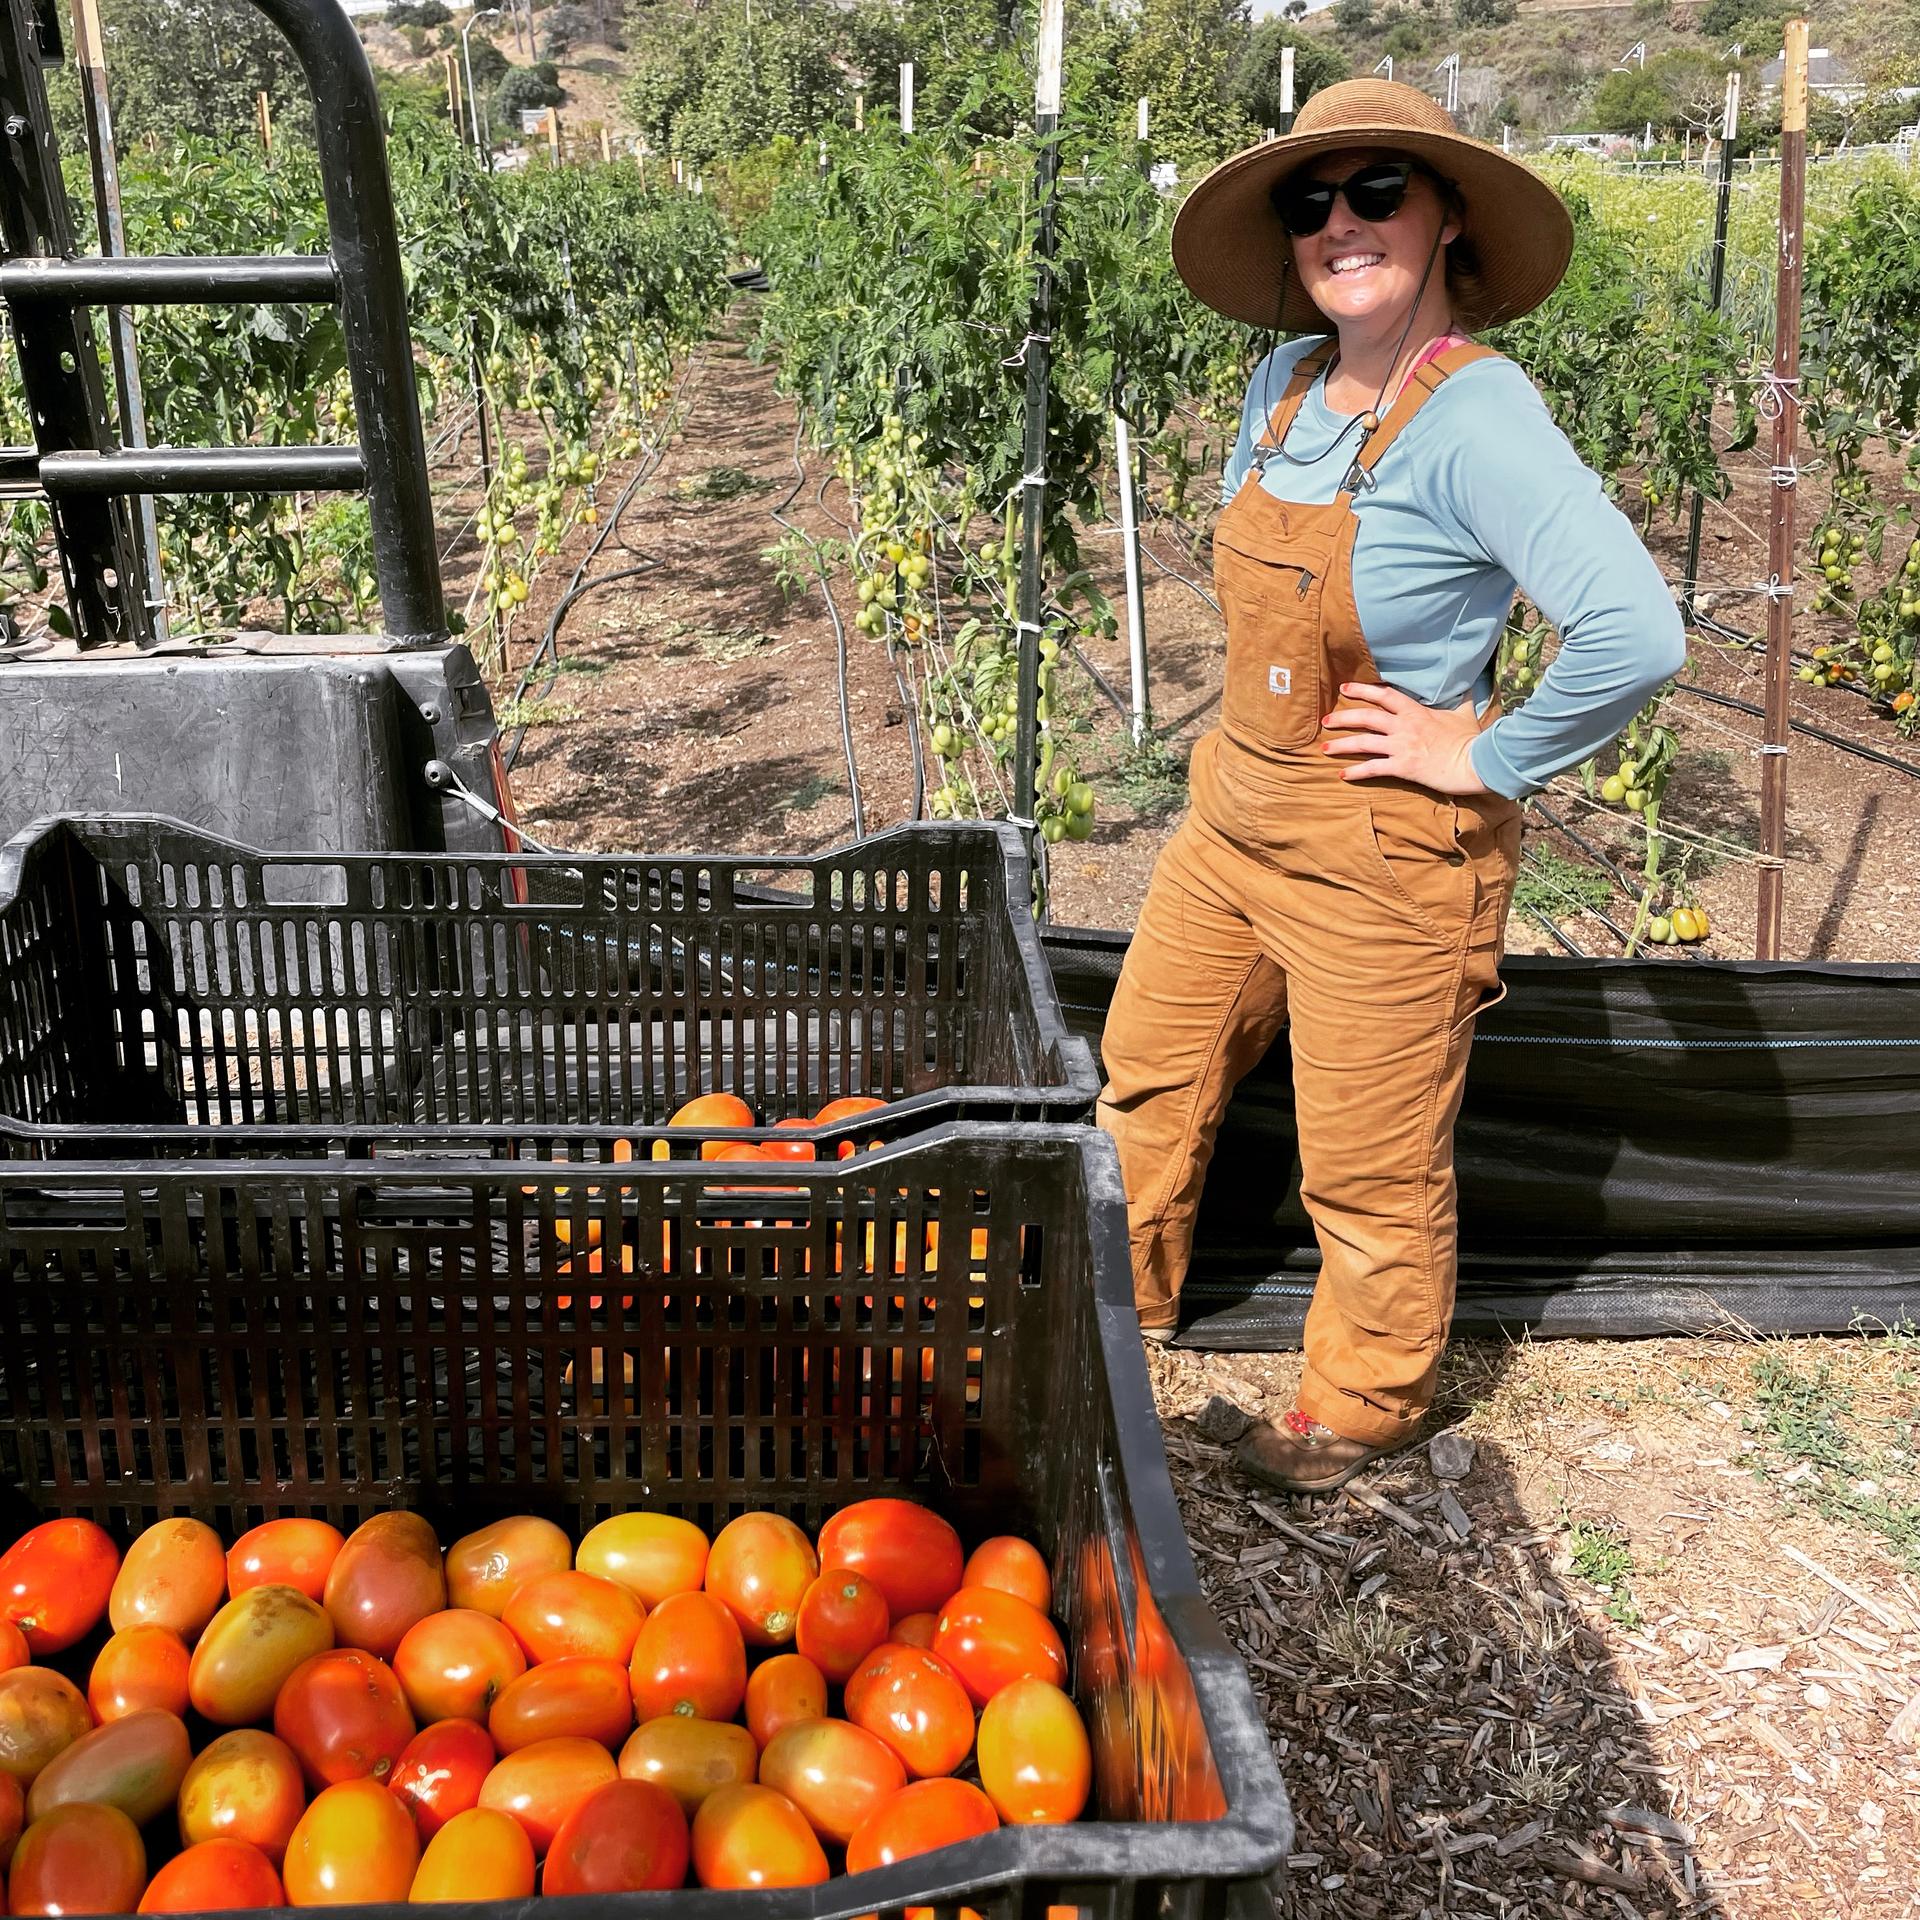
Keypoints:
pixel 1279 679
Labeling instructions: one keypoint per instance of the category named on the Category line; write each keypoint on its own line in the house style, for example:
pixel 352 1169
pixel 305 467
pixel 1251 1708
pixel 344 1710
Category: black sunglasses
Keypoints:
pixel 1373 192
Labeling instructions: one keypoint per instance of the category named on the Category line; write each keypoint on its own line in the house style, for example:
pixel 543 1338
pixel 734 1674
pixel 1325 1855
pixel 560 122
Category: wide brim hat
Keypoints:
pixel 1230 248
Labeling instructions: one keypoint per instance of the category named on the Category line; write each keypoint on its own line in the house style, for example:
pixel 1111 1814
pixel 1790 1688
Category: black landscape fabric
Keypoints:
pixel 1645 1147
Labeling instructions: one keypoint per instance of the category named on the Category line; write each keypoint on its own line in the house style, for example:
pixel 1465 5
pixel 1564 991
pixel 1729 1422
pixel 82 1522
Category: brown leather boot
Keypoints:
pixel 1299 1455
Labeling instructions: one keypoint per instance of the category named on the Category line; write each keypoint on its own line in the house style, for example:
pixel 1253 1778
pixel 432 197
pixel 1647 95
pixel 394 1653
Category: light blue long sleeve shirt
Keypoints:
pixel 1480 496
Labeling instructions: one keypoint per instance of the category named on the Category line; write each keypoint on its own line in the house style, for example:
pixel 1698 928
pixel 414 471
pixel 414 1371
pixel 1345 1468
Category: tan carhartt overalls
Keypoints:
pixel 1368 916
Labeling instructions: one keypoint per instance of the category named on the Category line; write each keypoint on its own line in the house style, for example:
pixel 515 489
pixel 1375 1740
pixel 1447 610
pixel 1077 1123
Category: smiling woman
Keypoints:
pixel 1348 862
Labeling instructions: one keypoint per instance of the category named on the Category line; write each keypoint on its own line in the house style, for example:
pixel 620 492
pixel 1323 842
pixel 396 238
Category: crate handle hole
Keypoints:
pixel 303 883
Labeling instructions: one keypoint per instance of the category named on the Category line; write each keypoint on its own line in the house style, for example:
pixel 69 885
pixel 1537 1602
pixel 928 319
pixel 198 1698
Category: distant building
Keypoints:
pixel 1606 143
pixel 1827 75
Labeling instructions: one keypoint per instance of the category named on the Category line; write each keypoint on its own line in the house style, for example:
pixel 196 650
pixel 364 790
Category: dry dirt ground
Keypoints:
pixel 1657 1651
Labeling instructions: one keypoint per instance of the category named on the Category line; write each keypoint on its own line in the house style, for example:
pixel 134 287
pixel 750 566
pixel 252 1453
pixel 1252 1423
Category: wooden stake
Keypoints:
pixel 1786 433
pixel 454 104
pixel 1140 119
pixel 553 135
pixel 606 144
pixel 859 113
pixel 263 119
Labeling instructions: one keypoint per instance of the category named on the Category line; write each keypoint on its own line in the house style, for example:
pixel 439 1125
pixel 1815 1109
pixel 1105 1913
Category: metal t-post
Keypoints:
pixel 466 60
pixel 1716 293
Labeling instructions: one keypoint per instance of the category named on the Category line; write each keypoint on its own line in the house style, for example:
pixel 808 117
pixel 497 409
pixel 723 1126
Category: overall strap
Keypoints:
pixel 1306 370
pixel 1421 385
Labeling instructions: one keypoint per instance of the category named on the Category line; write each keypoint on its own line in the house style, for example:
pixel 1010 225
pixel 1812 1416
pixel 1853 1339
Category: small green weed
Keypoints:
pixel 1603 1558
pixel 811 791
pixel 547 712
pixel 1560 888
pixel 720 483
pixel 1151 778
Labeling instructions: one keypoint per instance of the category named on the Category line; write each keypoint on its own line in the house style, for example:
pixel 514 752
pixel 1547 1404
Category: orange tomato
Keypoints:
pixel 14 1651
pixel 212 1876
pixel 572 1699
pixel 761 1566
pixel 343 1713
pixel 174 1575
pixel 285 1553
pixel 354 1845
pixel 249 1648
pixel 79 1858
pixel 243 1786
pixel 916 1630
pixel 913 1701
pixel 135 1764
pixel 689 1658
pixel 690 1758
pixel 42 1713
pixel 626 1837
pixel 555 1615
pixel 835 1773
pixel 907 1551
pixel 541 1784
pixel 991 1639
pixel 712 1110
pixel 454 1665
pixel 919 1818
pixel 13 1816
pixel 1012 1565
pixel 847 1107
pixel 789 1149
pixel 55 1580
pixel 480 1854
pixel 652 1555
pixel 441 1772
pixel 842 1618
pixel 485 1569
pixel 753 1837
pixel 139 1667
pixel 385 1578
pixel 1036 1763
pixel 787 1688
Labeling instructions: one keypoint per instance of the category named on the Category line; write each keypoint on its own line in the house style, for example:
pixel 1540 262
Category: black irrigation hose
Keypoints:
pixel 1592 852
pixel 1825 738
pixel 779 516
pixel 1546 921
pixel 578 586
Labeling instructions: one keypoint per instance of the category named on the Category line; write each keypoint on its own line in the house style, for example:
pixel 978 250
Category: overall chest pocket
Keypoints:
pixel 1274 691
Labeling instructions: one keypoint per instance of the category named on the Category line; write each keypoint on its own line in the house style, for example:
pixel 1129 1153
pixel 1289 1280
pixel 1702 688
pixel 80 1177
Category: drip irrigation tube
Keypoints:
pixel 1825 738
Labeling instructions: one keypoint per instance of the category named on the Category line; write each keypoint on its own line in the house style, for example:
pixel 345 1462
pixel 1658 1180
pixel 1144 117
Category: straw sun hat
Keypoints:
pixel 1230 248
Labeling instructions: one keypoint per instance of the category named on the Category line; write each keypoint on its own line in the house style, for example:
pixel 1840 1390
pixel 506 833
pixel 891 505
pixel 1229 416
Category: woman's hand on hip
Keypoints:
pixel 1391 735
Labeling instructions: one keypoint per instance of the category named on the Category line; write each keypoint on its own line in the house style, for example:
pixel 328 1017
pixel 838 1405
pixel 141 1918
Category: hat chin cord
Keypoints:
pixel 1368 422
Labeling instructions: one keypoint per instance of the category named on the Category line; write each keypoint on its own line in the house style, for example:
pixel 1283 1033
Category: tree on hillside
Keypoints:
pixel 1484 13
pixel 194 66
pixel 1180 58
pixel 1677 91
pixel 1253 84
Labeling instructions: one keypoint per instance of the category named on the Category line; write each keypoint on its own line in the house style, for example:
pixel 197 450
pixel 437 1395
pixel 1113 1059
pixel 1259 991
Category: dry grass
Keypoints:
pixel 1673 1669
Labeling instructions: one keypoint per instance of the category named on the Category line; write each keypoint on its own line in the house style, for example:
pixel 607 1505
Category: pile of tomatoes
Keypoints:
pixel 378 1720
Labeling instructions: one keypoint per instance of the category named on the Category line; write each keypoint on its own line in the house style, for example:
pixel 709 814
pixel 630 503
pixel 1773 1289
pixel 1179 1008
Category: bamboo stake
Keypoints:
pixel 1786 425
pixel 553 135
pixel 454 106
pixel 859 113
pixel 606 145
pixel 1142 702
pixel 263 119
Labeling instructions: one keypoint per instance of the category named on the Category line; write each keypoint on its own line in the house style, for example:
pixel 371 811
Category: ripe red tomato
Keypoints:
pixel 252 1644
pixel 354 1845
pixel 386 1577
pixel 343 1713
pixel 247 1786
pixel 480 1854
pixel 295 1552
pixel 789 1149
pixel 54 1582
pixel 907 1551
pixel 835 1773
pixel 541 1784
pixel 916 1630
pixel 761 1566
pixel 842 1618
pixel 712 1110
pixel 214 1875
pixel 174 1575
pixel 441 1772
pixel 919 1818
pixel 689 1658
pixel 690 1758
pixel 485 1569
pixel 787 1688
pixel 1013 1565
pixel 42 1714
pixel 753 1837
pixel 79 1858
pixel 455 1665
pixel 652 1555
pixel 913 1701
pixel 14 1651
pixel 1035 1760
pixel 13 1816
pixel 848 1107
pixel 991 1639
pixel 555 1615
pixel 571 1699
pixel 139 1667
pixel 626 1837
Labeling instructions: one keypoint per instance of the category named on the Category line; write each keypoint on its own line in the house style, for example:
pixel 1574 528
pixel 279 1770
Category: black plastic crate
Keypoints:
pixel 241 1340
pixel 153 977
